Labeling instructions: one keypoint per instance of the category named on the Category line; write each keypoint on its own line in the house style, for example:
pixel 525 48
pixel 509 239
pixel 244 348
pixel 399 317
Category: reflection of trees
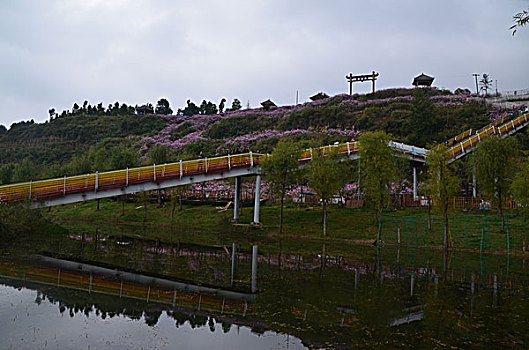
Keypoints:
pixel 326 308
pixel 225 326
pixel 152 317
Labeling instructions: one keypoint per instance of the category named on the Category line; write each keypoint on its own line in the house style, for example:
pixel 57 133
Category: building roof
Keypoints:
pixel 319 96
pixel 423 80
pixel 268 104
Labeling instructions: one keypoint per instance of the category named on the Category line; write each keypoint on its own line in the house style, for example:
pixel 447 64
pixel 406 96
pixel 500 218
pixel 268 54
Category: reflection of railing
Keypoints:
pixel 139 287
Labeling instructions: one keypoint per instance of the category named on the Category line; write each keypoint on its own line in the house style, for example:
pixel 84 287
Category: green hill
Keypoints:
pixel 83 142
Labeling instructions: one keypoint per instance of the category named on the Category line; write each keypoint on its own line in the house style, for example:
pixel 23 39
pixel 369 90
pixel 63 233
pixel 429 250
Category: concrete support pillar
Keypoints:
pixel 474 182
pixel 254 269
pixel 415 183
pixel 237 199
pixel 257 203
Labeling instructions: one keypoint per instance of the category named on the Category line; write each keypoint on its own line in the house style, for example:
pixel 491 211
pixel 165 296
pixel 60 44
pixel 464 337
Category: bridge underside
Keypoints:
pixel 147 186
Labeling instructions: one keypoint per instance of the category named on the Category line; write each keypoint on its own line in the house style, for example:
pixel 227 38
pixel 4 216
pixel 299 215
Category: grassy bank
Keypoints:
pixel 205 223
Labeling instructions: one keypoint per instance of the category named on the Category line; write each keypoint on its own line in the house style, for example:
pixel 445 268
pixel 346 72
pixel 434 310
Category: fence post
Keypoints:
pixel 251 159
pixel 206 161
pixel 425 233
pixel 348 149
pixel 96 185
pixel 466 235
pixel 127 176
pixel 229 162
pixel 64 185
pixel 482 234
pixel 154 172
pixel 30 185
pixel 508 240
pixel 488 244
pixel 379 230
pixel 405 233
pixel 416 237
pixel 310 153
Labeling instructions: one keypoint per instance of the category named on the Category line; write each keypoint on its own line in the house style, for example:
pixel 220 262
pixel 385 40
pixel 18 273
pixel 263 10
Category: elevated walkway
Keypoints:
pixel 98 185
pixel 467 141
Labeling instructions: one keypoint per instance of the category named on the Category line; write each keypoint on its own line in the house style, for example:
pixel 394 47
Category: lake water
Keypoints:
pixel 79 292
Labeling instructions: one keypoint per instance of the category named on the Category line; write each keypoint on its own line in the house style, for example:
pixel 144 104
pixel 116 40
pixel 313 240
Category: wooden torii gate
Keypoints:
pixel 360 78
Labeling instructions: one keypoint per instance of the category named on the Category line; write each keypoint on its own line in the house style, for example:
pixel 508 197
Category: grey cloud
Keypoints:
pixel 58 52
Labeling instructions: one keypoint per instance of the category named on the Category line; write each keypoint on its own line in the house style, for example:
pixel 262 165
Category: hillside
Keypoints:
pixel 81 143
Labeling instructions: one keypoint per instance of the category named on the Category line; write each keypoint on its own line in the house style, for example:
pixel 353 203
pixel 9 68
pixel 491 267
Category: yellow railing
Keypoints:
pixel 101 181
pixel 499 127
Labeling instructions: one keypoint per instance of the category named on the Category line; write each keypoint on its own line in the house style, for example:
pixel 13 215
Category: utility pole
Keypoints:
pixel 476 76
pixel 297 96
pixel 496 87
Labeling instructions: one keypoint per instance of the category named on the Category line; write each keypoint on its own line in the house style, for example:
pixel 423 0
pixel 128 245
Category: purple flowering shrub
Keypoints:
pixel 335 118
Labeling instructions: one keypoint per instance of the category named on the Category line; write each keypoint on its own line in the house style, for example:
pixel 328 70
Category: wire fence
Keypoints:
pixel 478 232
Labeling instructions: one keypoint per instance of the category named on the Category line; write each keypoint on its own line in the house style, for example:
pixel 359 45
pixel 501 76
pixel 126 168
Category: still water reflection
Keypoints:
pixel 83 292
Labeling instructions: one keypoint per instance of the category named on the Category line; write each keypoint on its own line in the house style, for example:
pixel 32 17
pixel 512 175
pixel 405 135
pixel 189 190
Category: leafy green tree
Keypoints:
pixel 57 170
pixel 208 108
pixel 122 158
pixel 378 169
pixel 222 104
pixel 236 105
pixel 327 176
pixel 520 19
pixel 442 184
pixel 81 165
pixel 100 109
pixel 486 83
pixel 159 154
pixel 190 109
pixel 424 121
pixel 162 107
pixel 25 171
pixel 6 173
pixel 520 191
pixel 281 169
pixel 495 161
pixel 99 159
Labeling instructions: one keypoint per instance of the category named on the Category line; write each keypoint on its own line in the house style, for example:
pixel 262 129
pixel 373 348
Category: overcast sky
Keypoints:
pixel 57 52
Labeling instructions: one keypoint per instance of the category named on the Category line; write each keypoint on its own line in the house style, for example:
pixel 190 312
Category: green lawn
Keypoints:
pixel 204 223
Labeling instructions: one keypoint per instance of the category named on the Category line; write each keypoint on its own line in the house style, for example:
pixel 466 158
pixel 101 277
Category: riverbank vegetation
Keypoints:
pixel 476 230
